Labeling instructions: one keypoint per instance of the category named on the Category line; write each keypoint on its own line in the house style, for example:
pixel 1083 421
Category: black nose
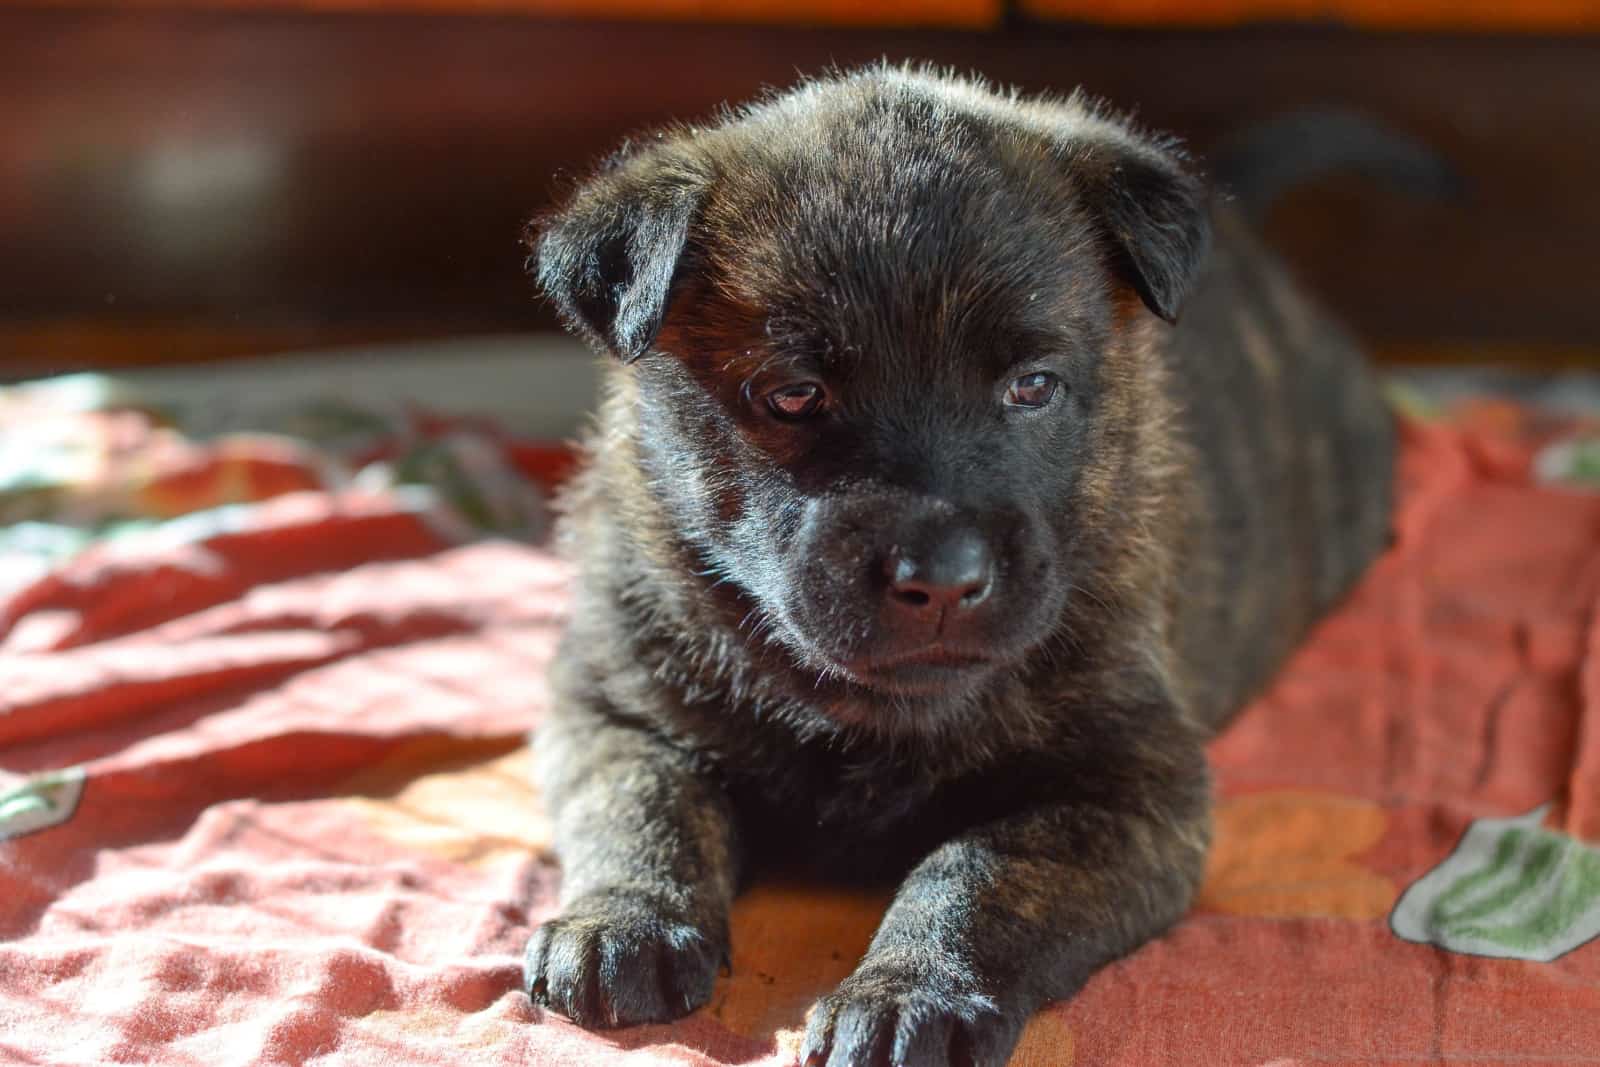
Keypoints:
pixel 952 570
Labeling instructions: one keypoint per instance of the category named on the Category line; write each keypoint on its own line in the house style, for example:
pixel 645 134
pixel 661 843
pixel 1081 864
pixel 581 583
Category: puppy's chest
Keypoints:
pixel 845 819
pixel 862 831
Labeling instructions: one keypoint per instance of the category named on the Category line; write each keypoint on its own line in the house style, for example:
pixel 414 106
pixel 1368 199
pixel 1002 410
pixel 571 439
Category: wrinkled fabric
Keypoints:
pixel 266 801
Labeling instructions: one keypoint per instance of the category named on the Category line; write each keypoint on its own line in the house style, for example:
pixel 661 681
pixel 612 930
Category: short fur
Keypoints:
pixel 735 689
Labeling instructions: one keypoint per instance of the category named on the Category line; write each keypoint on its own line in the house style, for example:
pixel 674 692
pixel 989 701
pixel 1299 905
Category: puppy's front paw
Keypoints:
pixel 616 959
pixel 893 1018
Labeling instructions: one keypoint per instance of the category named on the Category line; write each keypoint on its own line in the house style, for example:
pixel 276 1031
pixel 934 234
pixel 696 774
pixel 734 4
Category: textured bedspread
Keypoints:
pixel 263 790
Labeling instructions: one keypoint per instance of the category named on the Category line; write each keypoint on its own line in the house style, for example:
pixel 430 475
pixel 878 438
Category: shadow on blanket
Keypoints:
pixel 266 801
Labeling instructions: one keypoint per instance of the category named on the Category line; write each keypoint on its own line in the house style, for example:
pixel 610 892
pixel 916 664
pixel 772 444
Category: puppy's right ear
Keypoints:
pixel 608 259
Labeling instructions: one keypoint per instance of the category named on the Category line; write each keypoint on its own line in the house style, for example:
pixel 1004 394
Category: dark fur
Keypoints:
pixel 1163 534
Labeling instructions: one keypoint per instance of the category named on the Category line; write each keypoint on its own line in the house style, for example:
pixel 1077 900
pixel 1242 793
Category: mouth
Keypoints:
pixel 923 671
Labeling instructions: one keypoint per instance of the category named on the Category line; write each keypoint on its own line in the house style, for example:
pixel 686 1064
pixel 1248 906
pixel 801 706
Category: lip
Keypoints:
pixel 935 655
pixel 923 671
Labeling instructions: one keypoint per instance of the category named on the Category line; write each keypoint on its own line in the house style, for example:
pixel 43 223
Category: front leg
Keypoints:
pixel 649 870
pixel 1017 912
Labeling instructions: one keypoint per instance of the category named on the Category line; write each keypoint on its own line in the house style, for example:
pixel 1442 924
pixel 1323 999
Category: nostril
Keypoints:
pixel 914 597
pixel 975 595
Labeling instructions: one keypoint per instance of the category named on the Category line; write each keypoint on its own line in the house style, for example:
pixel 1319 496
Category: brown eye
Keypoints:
pixel 794 402
pixel 1032 390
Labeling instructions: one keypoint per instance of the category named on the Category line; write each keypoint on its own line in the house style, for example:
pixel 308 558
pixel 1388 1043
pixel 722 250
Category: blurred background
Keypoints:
pixel 196 180
pixel 191 189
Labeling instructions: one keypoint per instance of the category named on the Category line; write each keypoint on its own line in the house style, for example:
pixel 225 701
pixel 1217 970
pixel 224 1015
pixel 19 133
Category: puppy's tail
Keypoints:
pixel 1262 162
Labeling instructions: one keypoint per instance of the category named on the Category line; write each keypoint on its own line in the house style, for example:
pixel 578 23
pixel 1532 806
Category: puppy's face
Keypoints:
pixel 886 378
pixel 870 365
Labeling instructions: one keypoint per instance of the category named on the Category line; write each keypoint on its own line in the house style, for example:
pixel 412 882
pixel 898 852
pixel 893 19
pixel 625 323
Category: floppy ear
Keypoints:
pixel 609 257
pixel 1151 208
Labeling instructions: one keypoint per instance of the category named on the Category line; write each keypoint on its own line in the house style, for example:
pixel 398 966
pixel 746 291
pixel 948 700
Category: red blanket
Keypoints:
pixel 266 803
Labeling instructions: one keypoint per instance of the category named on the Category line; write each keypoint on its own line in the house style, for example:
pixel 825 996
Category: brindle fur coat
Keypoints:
pixel 826 319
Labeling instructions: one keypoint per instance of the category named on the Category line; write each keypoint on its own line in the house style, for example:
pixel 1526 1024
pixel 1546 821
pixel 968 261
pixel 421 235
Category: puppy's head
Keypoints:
pixel 874 333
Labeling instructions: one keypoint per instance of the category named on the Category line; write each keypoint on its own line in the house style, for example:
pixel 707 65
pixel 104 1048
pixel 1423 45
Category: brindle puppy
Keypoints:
pixel 920 537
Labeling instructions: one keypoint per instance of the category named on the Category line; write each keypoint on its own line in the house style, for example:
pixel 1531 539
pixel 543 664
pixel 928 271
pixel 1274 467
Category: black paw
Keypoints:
pixel 895 1019
pixel 617 959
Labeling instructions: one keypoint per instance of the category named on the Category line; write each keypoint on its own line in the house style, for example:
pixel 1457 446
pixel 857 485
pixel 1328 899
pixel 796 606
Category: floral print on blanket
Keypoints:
pixel 38 802
pixel 1512 888
pixel 85 458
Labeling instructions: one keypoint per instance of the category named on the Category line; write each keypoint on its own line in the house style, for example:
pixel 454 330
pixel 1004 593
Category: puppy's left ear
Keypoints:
pixel 609 258
pixel 1153 210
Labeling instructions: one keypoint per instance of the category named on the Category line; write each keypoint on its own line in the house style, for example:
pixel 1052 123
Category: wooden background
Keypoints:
pixel 181 184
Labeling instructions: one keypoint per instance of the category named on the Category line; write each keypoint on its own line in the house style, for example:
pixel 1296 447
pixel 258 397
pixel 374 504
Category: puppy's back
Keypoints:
pixel 1292 463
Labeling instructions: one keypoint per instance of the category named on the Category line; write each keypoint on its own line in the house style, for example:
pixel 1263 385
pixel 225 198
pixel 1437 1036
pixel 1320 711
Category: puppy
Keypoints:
pixel 961 467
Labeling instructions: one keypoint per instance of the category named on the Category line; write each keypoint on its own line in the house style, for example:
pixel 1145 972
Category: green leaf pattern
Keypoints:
pixel 1574 464
pixel 1511 889
pixel 39 802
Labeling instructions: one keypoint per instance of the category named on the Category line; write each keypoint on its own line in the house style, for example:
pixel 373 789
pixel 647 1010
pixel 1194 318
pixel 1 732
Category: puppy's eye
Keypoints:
pixel 801 400
pixel 1032 390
